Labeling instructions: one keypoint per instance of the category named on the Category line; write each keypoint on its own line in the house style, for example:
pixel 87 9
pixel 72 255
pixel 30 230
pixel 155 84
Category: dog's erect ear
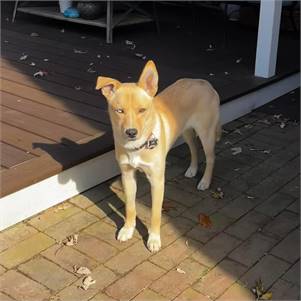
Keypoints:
pixel 149 79
pixel 107 85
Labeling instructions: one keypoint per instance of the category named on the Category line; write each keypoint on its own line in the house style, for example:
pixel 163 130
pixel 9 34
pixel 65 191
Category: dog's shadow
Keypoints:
pixel 112 206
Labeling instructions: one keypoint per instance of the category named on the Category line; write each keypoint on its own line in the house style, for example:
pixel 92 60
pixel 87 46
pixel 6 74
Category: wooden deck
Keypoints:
pixel 51 123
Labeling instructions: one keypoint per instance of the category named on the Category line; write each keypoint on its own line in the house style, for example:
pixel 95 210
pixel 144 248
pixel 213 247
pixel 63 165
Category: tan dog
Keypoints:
pixel 145 127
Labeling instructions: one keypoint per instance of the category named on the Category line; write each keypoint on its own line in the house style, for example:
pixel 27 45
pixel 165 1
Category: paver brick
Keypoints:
pixel 293 274
pixel 101 275
pixel 252 249
pixel 129 258
pixel 216 249
pixel 275 204
pixel 15 234
pixel 173 283
pixel 289 248
pixel 67 257
pixel 2 270
pixel 219 223
pixel 176 252
pixel 71 225
pixel 134 282
pixel 240 206
pixel 22 288
pixel 53 216
pixel 248 224
pixel 220 278
pixel 47 273
pixel 282 224
pixel 149 295
pixel 292 188
pixel 191 295
pixel 108 233
pixel 237 292
pixel 295 207
pixel 95 248
pixel 25 250
pixel 92 196
pixel 102 297
pixel 268 269
pixel 283 290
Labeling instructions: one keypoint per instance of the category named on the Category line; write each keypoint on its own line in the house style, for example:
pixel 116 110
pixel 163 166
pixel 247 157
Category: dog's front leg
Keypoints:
pixel 157 190
pixel 130 188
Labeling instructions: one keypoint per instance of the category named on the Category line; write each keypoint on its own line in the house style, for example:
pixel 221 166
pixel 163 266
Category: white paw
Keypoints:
pixel 191 172
pixel 125 233
pixel 203 185
pixel 154 242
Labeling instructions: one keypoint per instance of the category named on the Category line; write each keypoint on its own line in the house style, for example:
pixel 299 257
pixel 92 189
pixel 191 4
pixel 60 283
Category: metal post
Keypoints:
pixel 109 27
pixel 268 35
pixel 15 10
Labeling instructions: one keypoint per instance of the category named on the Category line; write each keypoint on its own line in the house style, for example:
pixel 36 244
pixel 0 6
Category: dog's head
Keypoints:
pixel 131 105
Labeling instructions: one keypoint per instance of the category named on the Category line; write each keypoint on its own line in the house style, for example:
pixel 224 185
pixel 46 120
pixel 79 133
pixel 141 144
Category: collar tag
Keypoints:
pixel 152 143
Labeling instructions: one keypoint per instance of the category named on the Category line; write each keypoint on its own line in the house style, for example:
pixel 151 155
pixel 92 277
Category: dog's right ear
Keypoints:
pixel 107 85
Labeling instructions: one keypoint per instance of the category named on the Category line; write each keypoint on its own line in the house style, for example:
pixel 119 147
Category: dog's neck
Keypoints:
pixel 147 141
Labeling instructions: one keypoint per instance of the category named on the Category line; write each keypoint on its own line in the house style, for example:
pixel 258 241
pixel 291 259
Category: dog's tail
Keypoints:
pixel 218 131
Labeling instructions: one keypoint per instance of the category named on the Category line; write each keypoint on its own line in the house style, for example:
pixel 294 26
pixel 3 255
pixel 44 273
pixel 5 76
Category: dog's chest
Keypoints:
pixel 134 160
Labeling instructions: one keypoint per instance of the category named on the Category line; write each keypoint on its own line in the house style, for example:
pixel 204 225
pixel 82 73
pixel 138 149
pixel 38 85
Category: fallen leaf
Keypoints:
pixel 139 54
pixel 167 206
pixel 62 30
pixel 45 60
pixel 71 240
pixel 98 56
pixel 187 243
pixel 211 74
pixel 267 151
pixel 250 197
pixel 83 37
pixel 23 57
pixel 238 60
pixel 277 116
pixel 40 73
pixel 267 296
pixel 237 131
pixel 248 126
pixel 282 125
pixel 228 142
pixel 236 150
pixel 32 64
pixel 205 220
pixel 236 169
pixel 87 281
pixel 77 88
pixel 265 121
pixel 180 271
pixel 211 47
pixel 78 51
pixel 91 69
pixel 62 207
pixel 224 131
pixel 218 194
pixel 226 73
pixel 81 270
pixel 34 34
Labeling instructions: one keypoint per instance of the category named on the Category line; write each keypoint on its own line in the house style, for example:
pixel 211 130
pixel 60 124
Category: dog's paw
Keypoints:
pixel 191 172
pixel 154 242
pixel 125 233
pixel 203 184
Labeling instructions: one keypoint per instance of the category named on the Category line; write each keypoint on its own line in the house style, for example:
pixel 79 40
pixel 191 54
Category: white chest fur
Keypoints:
pixel 134 159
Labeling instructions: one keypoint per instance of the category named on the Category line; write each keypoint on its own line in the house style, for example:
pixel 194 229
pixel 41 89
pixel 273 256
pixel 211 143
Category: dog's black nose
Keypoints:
pixel 131 132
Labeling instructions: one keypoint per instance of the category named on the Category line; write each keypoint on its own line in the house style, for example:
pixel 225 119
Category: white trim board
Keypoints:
pixel 56 189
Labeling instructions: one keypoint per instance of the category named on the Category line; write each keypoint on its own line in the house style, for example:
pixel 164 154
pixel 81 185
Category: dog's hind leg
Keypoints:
pixel 189 137
pixel 208 139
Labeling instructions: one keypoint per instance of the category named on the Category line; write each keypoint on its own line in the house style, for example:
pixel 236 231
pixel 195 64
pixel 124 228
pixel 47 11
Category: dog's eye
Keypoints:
pixel 142 110
pixel 120 111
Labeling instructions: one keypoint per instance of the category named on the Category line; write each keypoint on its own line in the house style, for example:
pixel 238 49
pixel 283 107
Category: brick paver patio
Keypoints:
pixel 255 231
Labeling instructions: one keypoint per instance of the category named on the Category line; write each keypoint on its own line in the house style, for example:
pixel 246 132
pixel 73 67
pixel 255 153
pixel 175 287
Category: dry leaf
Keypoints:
pixel 45 60
pixel 81 270
pixel 167 206
pixel 180 271
pixel 78 51
pixel 236 169
pixel 77 88
pixel 23 57
pixel 238 60
pixel 218 194
pixel 267 296
pixel 250 197
pixel 277 116
pixel 236 150
pixel 32 64
pixel 226 73
pixel 205 220
pixel 248 126
pixel 71 240
pixel 187 243
pixel 62 207
pixel 211 74
pixel 237 131
pixel 282 125
pixel 87 281
pixel 265 121
pixel 40 73
pixel 267 151
pixel 91 69
pixel 34 34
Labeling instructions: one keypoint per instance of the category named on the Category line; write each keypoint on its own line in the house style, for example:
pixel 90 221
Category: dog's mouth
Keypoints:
pixel 132 139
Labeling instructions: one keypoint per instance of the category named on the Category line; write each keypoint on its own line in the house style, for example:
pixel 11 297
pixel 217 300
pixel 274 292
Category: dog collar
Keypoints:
pixel 150 143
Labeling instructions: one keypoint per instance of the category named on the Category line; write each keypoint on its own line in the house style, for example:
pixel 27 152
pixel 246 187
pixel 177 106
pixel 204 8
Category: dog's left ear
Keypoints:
pixel 107 85
pixel 149 79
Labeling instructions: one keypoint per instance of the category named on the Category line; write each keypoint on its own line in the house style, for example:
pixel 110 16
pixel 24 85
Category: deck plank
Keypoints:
pixel 38 126
pixel 65 104
pixel 80 124
pixel 11 156
pixel 24 140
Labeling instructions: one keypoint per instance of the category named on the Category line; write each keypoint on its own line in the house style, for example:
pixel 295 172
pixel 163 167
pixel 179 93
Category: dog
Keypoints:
pixel 146 125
